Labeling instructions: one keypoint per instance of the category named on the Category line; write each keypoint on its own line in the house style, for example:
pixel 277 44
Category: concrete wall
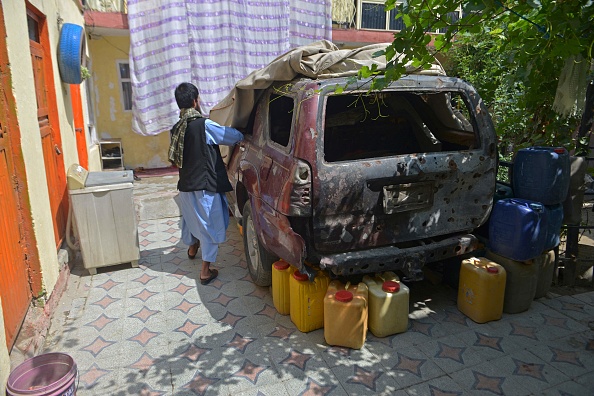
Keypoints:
pixel 112 121
pixel 17 41
pixel 4 358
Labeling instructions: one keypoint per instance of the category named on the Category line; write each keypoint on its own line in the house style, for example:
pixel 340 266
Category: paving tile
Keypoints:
pixel 568 388
pixel 485 379
pixel 572 307
pixel 532 372
pixel 323 382
pixel 410 366
pixel 154 330
pixel 488 342
pixel 443 386
pixel 357 380
pixel 451 354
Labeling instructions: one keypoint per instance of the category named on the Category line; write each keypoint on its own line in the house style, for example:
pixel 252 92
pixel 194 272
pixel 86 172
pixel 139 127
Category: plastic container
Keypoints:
pixel 518 229
pixel 345 314
pixel 307 300
pixel 520 285
pixel 50 374
pixel 502 191
pixel 388 304
pixel 541 174
pixel 281 273
pixel 554 222
pixel 481 289
pixel 546 271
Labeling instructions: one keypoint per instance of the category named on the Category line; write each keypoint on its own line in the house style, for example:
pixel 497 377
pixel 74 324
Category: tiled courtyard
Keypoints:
pixel 154 330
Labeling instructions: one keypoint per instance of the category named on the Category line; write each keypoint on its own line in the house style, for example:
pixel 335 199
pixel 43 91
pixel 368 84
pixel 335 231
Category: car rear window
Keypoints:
pixel 361 126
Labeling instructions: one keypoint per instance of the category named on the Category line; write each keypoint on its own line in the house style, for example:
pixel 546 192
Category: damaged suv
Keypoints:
pixel 363 182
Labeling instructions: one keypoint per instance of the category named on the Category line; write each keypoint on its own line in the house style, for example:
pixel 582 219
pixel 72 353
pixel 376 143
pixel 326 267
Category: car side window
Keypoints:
pixel 280 119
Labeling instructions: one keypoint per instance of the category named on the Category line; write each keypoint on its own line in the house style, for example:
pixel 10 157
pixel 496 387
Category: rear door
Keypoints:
pixel 395 167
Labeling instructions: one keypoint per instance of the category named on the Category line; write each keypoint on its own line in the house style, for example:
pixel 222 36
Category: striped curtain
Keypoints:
pixel 212 44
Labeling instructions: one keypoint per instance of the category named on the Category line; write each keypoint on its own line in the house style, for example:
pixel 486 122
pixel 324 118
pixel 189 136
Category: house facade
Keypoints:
pixel 355 23
pixel 42 133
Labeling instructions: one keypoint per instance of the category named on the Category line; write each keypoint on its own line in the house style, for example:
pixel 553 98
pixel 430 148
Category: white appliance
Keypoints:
pixel 105 217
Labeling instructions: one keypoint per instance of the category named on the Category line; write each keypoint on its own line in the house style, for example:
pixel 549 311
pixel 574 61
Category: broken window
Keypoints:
pixel 280 116
pixel 359 126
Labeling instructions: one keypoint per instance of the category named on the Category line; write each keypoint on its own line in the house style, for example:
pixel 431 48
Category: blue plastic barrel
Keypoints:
pixel 554 221
pixel 518 229
pixel 541 174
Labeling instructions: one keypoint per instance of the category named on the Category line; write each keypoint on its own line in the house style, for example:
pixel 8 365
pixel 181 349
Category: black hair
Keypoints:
pixel 185 94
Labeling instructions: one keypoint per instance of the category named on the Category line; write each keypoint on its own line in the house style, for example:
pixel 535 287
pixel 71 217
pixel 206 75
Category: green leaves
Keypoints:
pixel 512 51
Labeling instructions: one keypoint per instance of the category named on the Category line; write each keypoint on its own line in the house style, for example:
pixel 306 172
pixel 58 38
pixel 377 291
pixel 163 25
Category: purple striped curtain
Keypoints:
pixel 212 44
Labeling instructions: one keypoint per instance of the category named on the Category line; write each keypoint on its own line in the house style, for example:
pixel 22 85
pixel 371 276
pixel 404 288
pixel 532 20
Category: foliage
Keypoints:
pixel 515 52
pixel 84 72
pixel 519 121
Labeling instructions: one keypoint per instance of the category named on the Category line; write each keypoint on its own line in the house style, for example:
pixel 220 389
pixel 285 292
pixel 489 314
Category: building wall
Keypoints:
pixel 17 42
pixel 112 120
pixel 4 358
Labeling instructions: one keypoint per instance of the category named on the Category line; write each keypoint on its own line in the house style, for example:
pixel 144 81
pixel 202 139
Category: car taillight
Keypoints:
pixel 295 198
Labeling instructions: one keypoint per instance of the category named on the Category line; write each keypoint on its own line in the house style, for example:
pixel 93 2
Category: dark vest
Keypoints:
pixel 203 167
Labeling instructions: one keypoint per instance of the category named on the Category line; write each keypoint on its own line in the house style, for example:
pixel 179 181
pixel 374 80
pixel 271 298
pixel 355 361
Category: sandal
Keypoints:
pixel 192 256
pixel 213 274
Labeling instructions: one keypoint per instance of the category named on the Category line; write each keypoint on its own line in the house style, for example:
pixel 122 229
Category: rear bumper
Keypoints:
pixel 410 260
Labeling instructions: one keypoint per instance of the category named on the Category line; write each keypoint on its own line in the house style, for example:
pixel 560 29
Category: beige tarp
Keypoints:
pixel 321 59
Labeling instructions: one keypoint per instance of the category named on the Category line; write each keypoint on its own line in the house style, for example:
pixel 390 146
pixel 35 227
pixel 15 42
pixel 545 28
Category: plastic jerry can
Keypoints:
pixel 518 229
pixel 554 222
pixel 502 191
pixel 481 289
pixel 388 304
pixel 541 174
pixel 345 314
pixel 281 273
pixel 520 285
pixel 307 300
pixel 546 271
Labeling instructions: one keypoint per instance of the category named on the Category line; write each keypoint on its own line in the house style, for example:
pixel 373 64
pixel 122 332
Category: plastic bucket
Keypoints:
pixel 50 374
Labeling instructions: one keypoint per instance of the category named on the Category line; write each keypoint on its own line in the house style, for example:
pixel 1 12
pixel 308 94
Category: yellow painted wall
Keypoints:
pixel 112 121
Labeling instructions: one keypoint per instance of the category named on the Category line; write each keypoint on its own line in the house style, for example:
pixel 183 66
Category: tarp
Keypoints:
pixel 321 59
pixel 212 44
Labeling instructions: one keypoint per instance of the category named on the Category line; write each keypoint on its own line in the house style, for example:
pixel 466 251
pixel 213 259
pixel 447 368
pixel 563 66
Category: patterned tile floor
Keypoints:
pixel 154 330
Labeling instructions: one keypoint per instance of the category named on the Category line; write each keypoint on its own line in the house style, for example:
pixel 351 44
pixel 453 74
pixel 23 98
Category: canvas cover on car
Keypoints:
pixel 321 59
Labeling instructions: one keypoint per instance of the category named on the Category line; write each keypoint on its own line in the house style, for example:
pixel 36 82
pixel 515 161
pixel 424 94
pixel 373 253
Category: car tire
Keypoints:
pixel 259 260
pixel 70 53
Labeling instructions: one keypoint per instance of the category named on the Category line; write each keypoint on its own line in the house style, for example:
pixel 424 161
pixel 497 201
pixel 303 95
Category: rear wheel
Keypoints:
pixel 259 260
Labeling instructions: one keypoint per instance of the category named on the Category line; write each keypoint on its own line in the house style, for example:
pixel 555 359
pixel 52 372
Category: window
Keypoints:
pixel 126 84
pixel 371 14
pixel 280 118
pixel 360 126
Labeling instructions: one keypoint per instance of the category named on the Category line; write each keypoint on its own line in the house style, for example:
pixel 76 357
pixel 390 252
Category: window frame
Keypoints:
pixel 359 16
pixel 269 139
pixel 121 81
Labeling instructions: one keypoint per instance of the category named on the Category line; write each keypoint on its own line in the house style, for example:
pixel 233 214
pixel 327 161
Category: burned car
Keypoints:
pixel 336 175
pixel 362 182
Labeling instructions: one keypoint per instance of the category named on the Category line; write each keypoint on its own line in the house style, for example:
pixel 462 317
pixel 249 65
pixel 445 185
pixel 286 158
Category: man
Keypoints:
pixel 203 179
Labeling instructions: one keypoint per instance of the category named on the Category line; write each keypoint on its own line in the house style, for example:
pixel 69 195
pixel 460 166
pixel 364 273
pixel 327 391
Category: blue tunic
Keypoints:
pixel 205 215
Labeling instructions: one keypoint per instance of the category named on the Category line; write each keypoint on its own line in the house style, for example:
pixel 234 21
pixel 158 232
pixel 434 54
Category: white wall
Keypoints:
pixel 24 92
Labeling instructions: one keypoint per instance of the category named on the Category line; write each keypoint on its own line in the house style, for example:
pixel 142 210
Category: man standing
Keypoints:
pixel 203 179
